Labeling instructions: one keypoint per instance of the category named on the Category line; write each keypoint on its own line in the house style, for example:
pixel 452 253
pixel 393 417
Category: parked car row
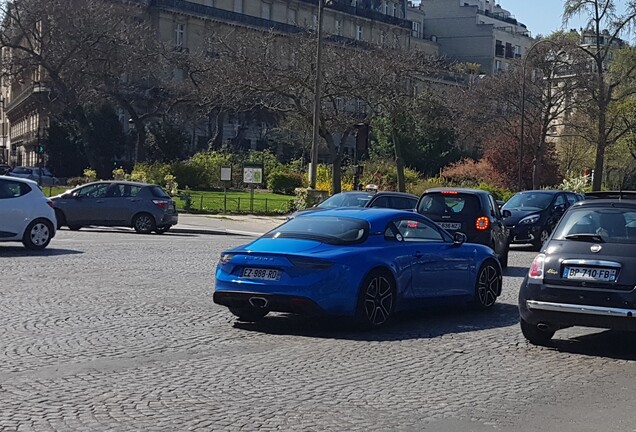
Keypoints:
pixel 26 215
pixel 37 174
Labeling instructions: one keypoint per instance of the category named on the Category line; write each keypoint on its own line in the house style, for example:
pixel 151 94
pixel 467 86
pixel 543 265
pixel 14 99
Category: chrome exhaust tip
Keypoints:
pixel 258 302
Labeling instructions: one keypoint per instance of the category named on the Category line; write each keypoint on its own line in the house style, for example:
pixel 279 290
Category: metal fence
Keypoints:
pixel 238 204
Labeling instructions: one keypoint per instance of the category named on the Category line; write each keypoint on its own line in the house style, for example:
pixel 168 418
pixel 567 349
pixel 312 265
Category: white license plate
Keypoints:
pixel 450 225
pixel 588 273
pixel 259 273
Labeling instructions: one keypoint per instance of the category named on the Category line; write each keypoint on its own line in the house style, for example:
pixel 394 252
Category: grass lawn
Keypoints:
pixel 236 202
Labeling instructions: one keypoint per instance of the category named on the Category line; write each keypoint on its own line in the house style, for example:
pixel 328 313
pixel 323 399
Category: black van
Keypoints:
pixel 473 212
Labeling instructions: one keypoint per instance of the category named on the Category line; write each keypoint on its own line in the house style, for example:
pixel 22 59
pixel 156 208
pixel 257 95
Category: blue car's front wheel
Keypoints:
pixel 376 300
pixel 488 285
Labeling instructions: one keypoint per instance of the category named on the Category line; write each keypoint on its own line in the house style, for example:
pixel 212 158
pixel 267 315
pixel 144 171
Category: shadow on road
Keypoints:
pixel 515 271
pixel 618 345
pixel 105 230
pixel 20 251
pixel 421 324
pixel 523 248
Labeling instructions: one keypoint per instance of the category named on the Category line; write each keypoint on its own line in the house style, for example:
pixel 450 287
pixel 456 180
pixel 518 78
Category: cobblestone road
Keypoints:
pixel 117 331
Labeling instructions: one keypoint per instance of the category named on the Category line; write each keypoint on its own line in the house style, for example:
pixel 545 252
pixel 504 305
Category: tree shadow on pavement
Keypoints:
pixel 20 251
pixel 421 324
pixel 613 344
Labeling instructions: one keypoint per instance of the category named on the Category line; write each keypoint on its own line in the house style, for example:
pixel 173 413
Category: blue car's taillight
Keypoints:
pixel 310 263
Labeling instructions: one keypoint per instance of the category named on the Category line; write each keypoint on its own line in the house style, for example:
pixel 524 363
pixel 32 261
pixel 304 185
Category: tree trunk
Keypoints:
pixel 600 147
pixel 140 144
pixel 336 172
pixel 399 161
pixel 601 143
pixel 84 127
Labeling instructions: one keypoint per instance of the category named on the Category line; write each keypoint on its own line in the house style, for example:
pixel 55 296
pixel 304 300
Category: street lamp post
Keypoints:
pixel 523 108
pixel 313 169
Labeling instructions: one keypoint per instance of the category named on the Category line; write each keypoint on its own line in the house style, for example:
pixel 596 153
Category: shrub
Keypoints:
pixel 154 173
pixel 383 173
pixel 499 193
pixel 171 184
pixel 469 172
pixel 575 183
pixel 90 175
pixel 190 175
pixel 421 185
pixel 284 182
pixel 119 174
pixel 75 181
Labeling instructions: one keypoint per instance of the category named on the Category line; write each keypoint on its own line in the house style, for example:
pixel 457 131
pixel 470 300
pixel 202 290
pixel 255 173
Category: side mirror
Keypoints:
pixel 459 238
pixel 506 213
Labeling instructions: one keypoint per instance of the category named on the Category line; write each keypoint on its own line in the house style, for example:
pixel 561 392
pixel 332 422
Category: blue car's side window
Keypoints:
pixel 418 231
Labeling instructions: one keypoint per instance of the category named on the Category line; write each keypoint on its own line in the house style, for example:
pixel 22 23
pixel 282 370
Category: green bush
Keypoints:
pixel 154 173
pixel 190 175
pixel 284 182
pixel 498 192
pixel 76 181
pixel 421 185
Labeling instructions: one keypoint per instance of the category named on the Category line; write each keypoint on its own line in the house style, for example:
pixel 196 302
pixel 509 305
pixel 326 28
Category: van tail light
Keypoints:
pixel 536 269
pixel 161 204
pixel 482 223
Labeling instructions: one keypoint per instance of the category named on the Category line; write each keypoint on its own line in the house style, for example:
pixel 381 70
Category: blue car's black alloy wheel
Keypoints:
pixel 488 285
pixel 377 299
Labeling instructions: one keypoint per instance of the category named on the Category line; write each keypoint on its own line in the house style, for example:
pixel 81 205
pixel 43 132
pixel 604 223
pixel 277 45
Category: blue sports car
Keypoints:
pixel 361 263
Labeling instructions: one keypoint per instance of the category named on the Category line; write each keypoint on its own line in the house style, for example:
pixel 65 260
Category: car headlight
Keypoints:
pixel 529 220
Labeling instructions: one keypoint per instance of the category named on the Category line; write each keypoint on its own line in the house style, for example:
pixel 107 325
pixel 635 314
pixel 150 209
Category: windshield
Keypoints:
pixel 346 200
pixel 529 201
pixel 327 229
pixel 610 225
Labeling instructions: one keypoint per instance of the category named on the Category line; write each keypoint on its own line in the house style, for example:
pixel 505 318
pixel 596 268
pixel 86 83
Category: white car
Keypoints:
pixel 26 215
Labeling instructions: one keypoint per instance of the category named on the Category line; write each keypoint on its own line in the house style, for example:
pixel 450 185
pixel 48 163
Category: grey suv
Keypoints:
pixel 144 207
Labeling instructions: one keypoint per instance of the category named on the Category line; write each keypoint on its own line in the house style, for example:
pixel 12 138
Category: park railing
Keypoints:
pixel 233 204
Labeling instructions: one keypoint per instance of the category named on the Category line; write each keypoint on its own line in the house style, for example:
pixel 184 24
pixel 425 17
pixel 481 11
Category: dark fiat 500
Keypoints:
pixel 585 274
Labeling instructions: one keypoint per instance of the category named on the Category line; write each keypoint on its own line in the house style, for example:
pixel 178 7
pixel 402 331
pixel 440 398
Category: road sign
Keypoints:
pixel 226 173
pixel 253 173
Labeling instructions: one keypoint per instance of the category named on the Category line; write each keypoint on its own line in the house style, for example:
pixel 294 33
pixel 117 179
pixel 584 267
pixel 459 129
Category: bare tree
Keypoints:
pixel 605 25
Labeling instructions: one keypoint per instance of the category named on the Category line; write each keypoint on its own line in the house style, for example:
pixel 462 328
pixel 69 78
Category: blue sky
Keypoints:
pixel 542 16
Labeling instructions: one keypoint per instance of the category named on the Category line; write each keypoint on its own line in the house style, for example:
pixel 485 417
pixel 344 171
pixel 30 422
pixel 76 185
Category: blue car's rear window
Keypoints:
pixel 327 229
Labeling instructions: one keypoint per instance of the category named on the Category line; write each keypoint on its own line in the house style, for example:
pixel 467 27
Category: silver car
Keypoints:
pixel 37 174
pixel 144 207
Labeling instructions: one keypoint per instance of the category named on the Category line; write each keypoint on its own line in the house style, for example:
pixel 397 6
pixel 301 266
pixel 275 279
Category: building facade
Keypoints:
pixel 185 24
pixel 475 31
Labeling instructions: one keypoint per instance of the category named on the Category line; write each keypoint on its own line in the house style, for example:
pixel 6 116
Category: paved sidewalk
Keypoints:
pixel 247 225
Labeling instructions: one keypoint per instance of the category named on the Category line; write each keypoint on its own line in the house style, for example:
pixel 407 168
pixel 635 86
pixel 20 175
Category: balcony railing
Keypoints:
pixel 365 13
pixel 209 11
